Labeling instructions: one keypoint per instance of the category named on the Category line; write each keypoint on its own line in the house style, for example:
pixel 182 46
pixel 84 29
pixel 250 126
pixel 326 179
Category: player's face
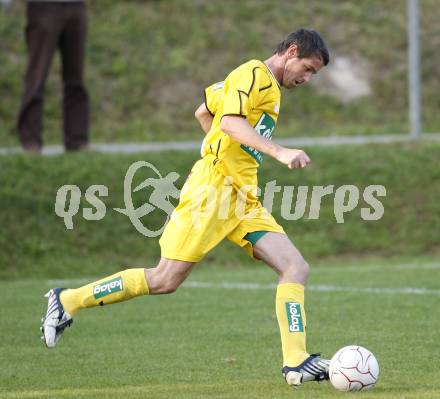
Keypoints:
pixel 298 71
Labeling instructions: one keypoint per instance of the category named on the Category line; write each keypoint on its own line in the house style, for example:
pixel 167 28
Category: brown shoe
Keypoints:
pixel 80 147
pixel 84 147
pixel 32 148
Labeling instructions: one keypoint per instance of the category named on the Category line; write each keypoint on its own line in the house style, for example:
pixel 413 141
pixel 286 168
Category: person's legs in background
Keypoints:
pixel 75 97
pixel 42 31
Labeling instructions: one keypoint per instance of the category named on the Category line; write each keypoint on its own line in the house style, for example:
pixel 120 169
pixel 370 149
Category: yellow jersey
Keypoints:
pixel 250 91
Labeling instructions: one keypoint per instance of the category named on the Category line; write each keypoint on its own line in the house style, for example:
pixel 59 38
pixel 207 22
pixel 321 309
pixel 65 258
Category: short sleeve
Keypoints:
pixel 213 97
pixel 242 89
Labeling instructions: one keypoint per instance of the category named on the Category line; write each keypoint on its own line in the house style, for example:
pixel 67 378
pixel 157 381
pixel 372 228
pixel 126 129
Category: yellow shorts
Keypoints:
pixel 210 210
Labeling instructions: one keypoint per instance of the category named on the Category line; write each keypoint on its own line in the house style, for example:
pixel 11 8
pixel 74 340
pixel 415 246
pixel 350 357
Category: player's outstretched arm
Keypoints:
pixel 204 117
pixel 239 129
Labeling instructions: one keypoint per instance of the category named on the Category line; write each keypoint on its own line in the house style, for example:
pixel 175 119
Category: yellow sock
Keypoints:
pixel 292 322
pixel 115 288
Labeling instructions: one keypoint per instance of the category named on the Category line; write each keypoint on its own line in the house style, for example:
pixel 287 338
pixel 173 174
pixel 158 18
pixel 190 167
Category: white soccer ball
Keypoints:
pixel 353 368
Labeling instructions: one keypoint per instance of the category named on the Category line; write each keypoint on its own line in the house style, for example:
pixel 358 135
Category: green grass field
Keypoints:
pixel 373 283
pixel 376 284
pixel 221 341
pixel 34 241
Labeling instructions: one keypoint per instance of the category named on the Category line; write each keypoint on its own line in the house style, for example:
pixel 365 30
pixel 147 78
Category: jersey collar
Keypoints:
pixel 270 71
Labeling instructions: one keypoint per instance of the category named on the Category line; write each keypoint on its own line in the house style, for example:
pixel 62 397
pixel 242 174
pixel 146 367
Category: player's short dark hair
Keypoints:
pixel 309 43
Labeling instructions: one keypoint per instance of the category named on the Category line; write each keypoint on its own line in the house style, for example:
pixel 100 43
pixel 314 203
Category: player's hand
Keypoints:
pixel 294 159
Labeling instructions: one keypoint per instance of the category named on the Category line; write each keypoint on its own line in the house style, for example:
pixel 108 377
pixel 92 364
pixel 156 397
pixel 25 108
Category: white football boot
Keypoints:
pixel 312 369
pixel 56 319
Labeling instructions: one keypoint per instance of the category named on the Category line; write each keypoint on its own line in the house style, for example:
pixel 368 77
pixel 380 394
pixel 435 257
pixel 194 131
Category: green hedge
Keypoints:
pixel 34 241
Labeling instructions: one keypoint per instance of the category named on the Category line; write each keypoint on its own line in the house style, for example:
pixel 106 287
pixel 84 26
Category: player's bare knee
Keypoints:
pixel 163 287
pixel 159 282
pixel 168 287
pixel 303 268
pixel 297 272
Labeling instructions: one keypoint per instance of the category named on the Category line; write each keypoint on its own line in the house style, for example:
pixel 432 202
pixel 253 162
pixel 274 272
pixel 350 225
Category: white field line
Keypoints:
pixel 141 147
pixel 257 286
pixel 379 268
pixel 320 269
pixel 312 287
pixel 320 288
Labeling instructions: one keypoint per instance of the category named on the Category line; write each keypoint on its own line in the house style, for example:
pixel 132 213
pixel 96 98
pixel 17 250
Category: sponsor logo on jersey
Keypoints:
pixel 264 127
pixel 294 317
pixel 276 109
pixel 108 287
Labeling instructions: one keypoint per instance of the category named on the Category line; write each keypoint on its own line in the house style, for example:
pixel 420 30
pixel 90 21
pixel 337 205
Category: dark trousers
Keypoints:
pixel 51 26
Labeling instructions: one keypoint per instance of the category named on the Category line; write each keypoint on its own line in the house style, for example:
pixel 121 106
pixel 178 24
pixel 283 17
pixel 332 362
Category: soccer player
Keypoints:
pixel 219 201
